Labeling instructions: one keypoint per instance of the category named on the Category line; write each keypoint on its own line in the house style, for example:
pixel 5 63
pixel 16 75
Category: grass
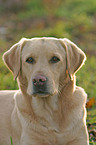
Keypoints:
pixel 86 77
pixel 11 140
pixel 91 124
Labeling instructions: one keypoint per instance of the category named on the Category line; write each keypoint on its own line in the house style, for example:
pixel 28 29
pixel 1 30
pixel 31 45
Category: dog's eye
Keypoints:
pixel 54 59
pixel 30 60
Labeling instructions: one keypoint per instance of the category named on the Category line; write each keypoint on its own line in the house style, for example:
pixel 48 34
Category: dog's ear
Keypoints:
pixel 75 57
pixel 12 57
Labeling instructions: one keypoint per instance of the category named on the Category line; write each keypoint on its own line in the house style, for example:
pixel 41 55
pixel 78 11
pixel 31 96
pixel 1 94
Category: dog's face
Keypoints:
pixel 42 63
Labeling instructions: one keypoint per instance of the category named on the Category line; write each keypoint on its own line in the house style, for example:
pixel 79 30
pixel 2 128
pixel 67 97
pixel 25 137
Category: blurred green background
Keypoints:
pixel 74 19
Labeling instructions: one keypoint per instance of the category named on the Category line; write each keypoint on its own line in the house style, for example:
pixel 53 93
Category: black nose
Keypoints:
pixel 40 84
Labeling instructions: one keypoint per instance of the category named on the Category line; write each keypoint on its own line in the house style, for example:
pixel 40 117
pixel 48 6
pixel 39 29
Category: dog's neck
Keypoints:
pixel 51 110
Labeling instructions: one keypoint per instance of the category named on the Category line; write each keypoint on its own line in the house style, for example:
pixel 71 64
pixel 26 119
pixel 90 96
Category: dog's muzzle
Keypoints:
pixel 40 85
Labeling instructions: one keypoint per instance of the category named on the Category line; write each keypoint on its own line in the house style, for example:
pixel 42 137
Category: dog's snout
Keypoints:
pixel 40 84
pixel 39 80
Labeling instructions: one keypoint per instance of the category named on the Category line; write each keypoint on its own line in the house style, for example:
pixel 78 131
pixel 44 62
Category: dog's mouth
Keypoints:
pixel 41 94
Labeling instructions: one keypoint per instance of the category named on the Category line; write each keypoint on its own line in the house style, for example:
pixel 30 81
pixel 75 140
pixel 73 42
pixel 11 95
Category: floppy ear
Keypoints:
pixel 75 57
pixel 12 57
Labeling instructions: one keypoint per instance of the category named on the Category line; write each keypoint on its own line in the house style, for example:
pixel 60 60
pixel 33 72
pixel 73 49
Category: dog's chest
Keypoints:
pixel 47 112
pixel 42 133
pixel 50 126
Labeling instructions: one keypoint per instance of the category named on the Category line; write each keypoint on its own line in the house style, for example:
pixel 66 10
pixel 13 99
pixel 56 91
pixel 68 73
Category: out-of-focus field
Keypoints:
pixel 74 19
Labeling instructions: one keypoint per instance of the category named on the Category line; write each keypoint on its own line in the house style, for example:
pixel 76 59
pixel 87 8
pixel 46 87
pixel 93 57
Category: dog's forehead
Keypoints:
pixel 43 45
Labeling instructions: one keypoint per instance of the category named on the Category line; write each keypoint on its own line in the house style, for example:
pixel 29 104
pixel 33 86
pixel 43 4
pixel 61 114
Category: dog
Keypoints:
pixel 48 108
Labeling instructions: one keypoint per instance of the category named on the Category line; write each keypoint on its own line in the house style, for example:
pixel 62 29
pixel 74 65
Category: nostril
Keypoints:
pixel 41 80
pixel 34 81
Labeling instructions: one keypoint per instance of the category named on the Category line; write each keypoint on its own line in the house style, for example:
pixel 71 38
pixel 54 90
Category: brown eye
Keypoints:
pixel 30 60
pixel 54 59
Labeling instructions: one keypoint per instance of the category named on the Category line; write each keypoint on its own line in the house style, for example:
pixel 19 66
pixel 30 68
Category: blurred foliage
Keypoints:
pixel 74 19
pixel 6 78
pixel 86 77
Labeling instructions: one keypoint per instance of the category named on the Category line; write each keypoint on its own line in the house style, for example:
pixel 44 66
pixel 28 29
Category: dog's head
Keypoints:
pixel 41 63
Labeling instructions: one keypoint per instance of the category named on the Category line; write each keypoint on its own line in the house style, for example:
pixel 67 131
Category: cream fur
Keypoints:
pixel 55 119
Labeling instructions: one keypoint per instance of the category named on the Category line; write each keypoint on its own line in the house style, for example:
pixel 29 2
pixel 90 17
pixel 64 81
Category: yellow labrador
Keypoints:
pixel 48 109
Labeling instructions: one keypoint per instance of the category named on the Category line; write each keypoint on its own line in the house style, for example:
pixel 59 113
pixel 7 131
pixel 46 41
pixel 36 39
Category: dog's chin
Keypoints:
pixel 43 95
